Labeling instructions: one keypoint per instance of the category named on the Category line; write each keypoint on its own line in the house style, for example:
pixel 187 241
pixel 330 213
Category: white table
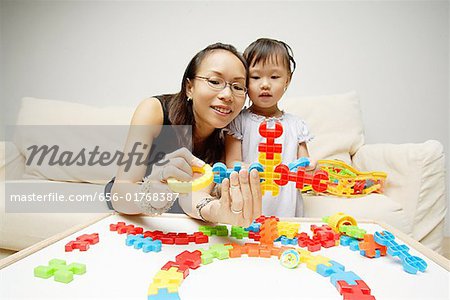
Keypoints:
pixel 117 271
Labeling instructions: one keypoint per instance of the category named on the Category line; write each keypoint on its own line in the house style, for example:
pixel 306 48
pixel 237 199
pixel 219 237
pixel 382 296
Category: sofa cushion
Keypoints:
pixel 375 207
pixel 334 121
pixel 72 127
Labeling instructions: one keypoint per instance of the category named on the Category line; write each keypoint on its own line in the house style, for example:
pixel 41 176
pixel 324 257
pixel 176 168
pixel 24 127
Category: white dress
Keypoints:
pixel 289 202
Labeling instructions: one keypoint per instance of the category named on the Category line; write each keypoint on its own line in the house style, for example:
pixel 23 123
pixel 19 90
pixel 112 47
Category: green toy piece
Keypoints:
pixel 238 232
pixel 60 270
pixel 352 231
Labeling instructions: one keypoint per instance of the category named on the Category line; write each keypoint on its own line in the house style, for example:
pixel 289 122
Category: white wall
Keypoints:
pixel 394 54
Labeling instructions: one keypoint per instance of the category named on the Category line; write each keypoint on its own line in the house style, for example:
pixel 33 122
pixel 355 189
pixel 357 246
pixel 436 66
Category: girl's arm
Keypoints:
pixel 303 152
pixel 233 148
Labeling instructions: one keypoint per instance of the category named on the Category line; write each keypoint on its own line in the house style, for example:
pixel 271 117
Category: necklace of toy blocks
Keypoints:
pixel 333 177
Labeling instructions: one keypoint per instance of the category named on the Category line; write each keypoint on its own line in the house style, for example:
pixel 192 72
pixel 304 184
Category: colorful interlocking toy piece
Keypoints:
pixel 59 270
pixel 344 180
pixel 369 248
pixel 140 242
pixel 186 187
pixel 122 227
pixel 411 264
pixel 82 242
pixel 337 220
pixel 219 230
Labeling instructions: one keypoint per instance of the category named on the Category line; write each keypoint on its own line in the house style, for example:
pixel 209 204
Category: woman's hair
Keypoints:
pixel 181 112
pixel 265 49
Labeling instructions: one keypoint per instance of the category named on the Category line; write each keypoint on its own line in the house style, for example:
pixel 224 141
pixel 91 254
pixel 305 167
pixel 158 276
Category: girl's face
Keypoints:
pixel 268 82
pixel 216 107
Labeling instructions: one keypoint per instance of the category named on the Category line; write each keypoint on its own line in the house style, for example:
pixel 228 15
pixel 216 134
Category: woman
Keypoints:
pixel 213 91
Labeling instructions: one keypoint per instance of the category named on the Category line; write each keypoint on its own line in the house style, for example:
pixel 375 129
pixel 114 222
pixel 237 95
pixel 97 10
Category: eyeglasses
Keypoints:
pixel 218 84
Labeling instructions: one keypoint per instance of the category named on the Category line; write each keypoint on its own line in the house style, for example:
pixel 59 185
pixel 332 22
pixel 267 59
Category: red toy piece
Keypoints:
pixel 181 268
pixel 82 242
pixel 191 259
pixel 360 291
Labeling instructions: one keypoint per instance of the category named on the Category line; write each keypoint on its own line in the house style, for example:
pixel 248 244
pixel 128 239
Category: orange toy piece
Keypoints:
pixel 268 231
pixel 370 247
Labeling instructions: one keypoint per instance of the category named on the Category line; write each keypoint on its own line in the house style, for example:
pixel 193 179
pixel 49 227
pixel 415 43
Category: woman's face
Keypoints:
pixel 215 107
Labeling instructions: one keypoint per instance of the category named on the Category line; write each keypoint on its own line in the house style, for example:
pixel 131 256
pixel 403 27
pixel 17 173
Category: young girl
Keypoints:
pixel 270 73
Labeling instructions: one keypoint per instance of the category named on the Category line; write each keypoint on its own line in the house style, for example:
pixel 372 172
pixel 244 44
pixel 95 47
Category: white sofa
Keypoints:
pixel 414 198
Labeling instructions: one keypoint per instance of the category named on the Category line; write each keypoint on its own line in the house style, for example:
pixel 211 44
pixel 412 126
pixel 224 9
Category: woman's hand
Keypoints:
pixel 240 202
pixel 178 165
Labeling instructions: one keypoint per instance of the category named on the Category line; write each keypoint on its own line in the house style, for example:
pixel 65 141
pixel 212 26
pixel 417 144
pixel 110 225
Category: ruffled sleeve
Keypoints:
pixel 235 127
pixel 303 134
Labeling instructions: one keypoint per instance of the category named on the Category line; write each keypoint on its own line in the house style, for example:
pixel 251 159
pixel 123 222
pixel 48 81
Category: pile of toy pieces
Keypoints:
pixel 341 229
pixel 331 177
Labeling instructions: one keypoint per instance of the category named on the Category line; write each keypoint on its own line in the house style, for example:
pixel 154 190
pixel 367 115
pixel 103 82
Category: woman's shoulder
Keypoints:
pixel 149 111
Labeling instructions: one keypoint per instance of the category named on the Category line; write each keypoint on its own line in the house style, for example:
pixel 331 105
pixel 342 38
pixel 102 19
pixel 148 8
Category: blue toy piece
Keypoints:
pixel 221 171
pixel 255 227
pixel 349 241
pixel 329 270
pixel 287 241
pixel 163 294
pixel 301 162
pixel 348 277
pixel 146 244
pixel 411 264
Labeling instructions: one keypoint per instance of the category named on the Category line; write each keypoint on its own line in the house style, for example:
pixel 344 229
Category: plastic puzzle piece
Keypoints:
pixel 146 244
pixel 287 241
pixel 238 232
pixel 122 228
pixel 302 162
pixel 190 259
pixel 183 269
pixel 170 279
pixel 255 227
pixel 219 230
pixel 411 264
pixel 164 294
pixel 369 247
pixel 268 232
pixel 349 277
pixel 80 245
pixel 317 260
pixel 326 271
pixel 360 291
pixel 352 231
pixel 337 220
pixel 60 271
pixel 221 171
pixel 288 229
pixel 193 186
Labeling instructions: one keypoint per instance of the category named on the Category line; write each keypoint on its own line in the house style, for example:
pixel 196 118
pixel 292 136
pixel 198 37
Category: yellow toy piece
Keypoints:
pixel 346 181
pixel 170 279
pixel 337 220
pixel 314 261
pixel 193 186
pixel 288 229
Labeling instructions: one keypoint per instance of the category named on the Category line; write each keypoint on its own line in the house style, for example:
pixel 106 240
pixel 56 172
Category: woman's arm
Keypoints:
pixel 145 127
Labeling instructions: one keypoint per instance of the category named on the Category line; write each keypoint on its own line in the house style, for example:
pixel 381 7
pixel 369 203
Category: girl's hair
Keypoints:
pixel 181 112
pixel 265 49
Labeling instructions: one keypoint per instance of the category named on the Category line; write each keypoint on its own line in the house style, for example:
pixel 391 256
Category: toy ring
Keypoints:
pixel 290 259
pixel 197 184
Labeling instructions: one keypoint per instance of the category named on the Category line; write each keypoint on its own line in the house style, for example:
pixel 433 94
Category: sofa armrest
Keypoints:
pixel 416 179
pixel 12 162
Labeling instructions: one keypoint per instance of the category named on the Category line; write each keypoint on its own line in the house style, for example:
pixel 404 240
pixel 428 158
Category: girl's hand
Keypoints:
pixel 240 202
